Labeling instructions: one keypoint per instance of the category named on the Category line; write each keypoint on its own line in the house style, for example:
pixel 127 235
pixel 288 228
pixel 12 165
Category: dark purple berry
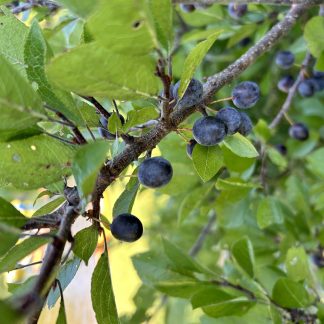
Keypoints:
pixel 285 59
pixel 236 10
pixel 246 125
pixel 209 131
pixel 192 95
pixel 155 172
pixel 318 77
pixel 318 257
pixel 246 94
pixel 282 149
pixel 231 118
pixel 299 131
pixel 286 83
pixel 190 146
pixel 307 88
pixel 103 131
pixel 244 42
pixel 187 7
pixel 126 227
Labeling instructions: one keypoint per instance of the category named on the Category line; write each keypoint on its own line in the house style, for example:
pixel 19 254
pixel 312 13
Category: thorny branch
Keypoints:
pixel 32 302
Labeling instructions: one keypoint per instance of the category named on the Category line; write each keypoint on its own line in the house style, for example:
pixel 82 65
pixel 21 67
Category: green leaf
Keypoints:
pixel 140 116
pixel 262 130
pixel 269 212
pixel 181 260
pixel 61 318
pixel 102 295
pixel 181 289
pixel 13 34
pixel 10 215
pixel 320 62
pixel 122 29
pixel 75 71
pixel 207 160
pixel 236 184
pixel 313 32
pixel 85 243
pixel 237 306
pixel 243 253
pixel 155 267
pixel 8 314
pixel 114 123
pixel 9 237
pixel 240 146
pixel 125 201
pixel 81 8
pixel 277 158
pixel 19 289
pixel 65 276
pixel 243 32
pixel 20 106
pixel 9 261
pixel 209 296
pixel 193 60
pixel 193 200
pixel 86 165
pixel 35 55
pixel 315 162
pixel 49 207
pixel 161 12
pixel 234 162
pixel 183 179
pixel 34 162
pixel 290 294
pixel 297 264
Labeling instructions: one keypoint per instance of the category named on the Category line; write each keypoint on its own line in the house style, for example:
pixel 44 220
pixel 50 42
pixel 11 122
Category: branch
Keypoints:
pixel 32 302
pixel 51 220
pixel 78 135
pixel 202 236
pixel 99 108
pixel 269 2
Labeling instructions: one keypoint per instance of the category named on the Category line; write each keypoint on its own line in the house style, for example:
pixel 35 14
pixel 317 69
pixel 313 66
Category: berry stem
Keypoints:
pixel 221 100
pixel 105 241
pixel 101 221
pixel 182 136
pixel 21 266
pixel 289 120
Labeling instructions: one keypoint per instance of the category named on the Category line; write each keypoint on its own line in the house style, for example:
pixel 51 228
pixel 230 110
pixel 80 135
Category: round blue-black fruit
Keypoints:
pixel 245 94
pixel 190 146
pixel 103 131
pixel 246 124
pixel 231 118
pixel 209 131
pixel 126 227
pixel 285 59
pixel 155 172
pixel 299 131
pixel 187 7
pixel 192 95
pixel 307 88
pixel 285 83
pixel 236 10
